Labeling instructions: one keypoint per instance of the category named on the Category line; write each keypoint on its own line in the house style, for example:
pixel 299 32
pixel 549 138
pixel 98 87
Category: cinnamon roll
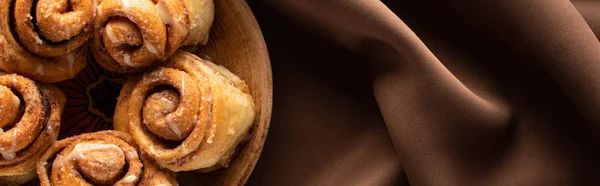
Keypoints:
pixel 29 122
pixel 189 114
pixel 45 39
pixel 130 34
pixel 100 158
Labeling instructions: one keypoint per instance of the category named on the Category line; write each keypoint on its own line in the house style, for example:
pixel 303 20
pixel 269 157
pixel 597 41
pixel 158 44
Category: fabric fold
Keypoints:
pixel 471 93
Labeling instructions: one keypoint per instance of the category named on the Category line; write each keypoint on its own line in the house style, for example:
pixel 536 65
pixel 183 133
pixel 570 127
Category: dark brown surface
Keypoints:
pixel 434 92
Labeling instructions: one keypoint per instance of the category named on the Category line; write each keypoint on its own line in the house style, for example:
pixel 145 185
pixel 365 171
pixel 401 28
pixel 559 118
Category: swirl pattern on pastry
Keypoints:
pixel 45 40
pixel 100 158
pixel 31 119
pixel 189 114
pixel 131 34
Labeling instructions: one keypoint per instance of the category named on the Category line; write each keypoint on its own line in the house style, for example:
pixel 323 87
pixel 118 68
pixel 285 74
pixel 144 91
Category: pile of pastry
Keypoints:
pixel 176 112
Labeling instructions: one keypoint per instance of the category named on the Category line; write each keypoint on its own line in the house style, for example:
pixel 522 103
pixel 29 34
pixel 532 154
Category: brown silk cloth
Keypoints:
pixel 446 92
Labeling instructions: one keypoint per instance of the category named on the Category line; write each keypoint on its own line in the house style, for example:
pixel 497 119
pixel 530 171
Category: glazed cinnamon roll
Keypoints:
pixel 100 158
pixel 189 114
pixel 130 34
pixel 45 39
pixel 29 122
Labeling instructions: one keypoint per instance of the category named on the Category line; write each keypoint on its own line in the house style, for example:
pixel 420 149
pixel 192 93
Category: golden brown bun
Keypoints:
pixel 31 117
pixel 132 34
pixel 99 158
pixel 53 49
pixel 189 114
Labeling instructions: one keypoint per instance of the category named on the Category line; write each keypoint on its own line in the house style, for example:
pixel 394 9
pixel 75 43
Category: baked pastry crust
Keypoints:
pixel 189 114
pixel 48 46
pixel 31 117
pixel 100 158
pixel 130 35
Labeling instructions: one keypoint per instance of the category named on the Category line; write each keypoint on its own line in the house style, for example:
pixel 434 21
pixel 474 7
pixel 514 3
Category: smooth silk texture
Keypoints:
pixel 493 92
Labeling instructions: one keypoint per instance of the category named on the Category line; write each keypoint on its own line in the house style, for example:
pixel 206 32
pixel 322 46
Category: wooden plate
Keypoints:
pixel 236 42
